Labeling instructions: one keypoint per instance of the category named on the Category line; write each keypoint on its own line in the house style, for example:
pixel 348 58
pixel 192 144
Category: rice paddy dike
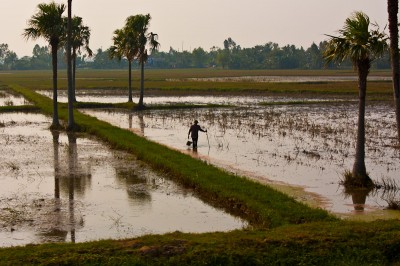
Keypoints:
pixel 282 231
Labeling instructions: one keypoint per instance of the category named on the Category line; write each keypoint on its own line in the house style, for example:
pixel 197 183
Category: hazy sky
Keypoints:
pixel 189 24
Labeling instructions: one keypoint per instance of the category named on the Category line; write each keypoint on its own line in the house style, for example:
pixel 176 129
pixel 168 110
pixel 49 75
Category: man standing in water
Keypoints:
pixel 194 131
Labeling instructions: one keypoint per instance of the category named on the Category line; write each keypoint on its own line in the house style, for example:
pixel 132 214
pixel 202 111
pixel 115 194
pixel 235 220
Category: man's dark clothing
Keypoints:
pixel 194 131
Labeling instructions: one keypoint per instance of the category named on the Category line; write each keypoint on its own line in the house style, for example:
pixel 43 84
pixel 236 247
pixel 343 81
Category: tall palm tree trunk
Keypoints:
pixel 71 122
pixel 56 122
pixel 74 75
pixel 359 169
pixel 393 8
pixel 141 105
pixel 130 81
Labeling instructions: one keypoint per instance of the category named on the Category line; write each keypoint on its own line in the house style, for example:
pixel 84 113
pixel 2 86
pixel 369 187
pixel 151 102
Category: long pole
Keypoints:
pixel 71 122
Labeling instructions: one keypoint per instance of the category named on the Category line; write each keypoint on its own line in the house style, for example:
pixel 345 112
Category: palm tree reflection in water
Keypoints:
pixel 72 174
pixel 68 181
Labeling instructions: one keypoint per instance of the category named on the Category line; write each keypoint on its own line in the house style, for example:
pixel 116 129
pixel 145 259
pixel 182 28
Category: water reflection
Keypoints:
pixel 72 174
pixel 138 126
pixel 56 231
pixel 56 144
pixel 141 122
pixel 137 187
pixel 358 197
pixel 69 182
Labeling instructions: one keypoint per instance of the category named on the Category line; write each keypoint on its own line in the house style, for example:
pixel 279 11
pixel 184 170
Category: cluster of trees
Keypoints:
pixel 40 59
pixel 267 56
pixel 132 43
pixel 59 31
pixel 231 56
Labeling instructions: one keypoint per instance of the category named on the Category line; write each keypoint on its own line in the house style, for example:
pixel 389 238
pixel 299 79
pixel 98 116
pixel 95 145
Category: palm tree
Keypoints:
pixel 361 45
pixel 393 8
pixel 80 38
pixel 139 24
pixel 125 46
pixel 48 24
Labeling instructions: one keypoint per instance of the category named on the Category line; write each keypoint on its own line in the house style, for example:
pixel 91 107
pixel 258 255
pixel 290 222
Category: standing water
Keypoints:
pixel 307 146
pixel 58 187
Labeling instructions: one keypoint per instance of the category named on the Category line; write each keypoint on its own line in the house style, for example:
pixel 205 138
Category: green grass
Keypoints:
pixel 19 108
pixel 335 243
pixel 126 105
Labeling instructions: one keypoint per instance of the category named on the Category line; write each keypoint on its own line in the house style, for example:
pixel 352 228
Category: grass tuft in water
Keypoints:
pixel 350 181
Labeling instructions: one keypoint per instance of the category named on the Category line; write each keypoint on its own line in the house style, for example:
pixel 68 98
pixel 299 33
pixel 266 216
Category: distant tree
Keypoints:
pixel 102 60
pixel 223 58
pixel 393 9
pixel 314 57
pixel 10 60
pixel 23 63
pixel 7 57
pixel 48 24
pixel 199 57
pixel 229 56
pixel 41 57
pixel 289 58
pixel 361 45
pixel 3 51
pixel 229 44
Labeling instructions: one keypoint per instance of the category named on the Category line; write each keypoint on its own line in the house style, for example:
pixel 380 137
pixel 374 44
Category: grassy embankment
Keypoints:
pixel 284 232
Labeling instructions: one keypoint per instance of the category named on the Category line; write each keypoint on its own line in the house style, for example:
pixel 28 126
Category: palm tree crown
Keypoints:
pixel 356 42
pixel 139 26
pixel 80 36
pixel 124 45
pixel 47 23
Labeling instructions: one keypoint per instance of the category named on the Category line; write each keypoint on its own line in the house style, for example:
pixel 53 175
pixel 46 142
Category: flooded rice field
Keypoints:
pixel 9 99
pixel 71 188
pixel 307 146
pixel 120 96
pixel 58 187
pixel 286 79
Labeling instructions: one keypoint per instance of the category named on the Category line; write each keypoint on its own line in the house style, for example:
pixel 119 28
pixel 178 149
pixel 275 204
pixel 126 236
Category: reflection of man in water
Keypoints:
pixel 194 131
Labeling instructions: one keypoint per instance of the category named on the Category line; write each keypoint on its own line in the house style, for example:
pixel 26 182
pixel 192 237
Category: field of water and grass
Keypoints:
pixel 263 187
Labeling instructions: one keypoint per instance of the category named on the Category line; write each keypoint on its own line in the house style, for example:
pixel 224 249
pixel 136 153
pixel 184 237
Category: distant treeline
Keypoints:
pixel 231 56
